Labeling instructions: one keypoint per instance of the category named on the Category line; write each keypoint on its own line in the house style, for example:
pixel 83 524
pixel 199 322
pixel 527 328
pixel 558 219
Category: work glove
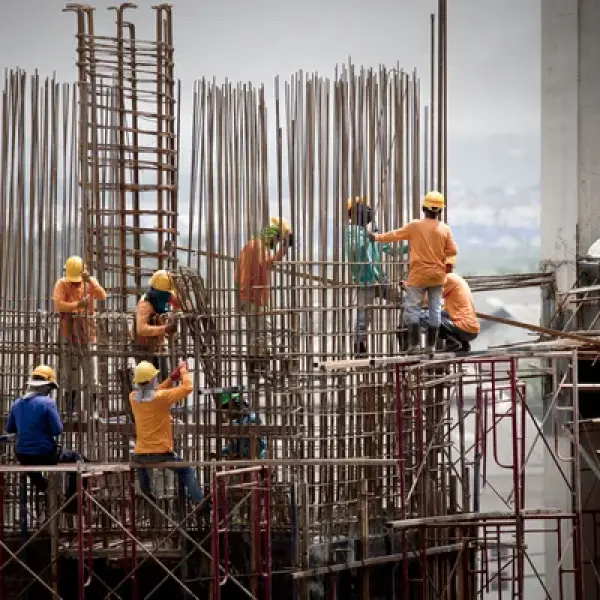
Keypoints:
pixel 82 303
pixel 170 329
pixel 85 276
pixel 175 374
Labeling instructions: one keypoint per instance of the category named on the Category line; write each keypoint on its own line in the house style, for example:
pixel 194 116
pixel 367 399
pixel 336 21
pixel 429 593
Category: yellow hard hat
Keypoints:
pixel 434 200
pixel 144 371
pixel 42 375
pixel 352 202
pixel 285 227
pixel 162 281
pixel 451 260
pixel 74 269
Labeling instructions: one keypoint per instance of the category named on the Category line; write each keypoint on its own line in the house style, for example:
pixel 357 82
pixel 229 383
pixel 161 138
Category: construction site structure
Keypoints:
pixel 388 477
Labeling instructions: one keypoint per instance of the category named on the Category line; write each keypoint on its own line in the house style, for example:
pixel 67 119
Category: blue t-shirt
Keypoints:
pixel 247 419
pixel 35 420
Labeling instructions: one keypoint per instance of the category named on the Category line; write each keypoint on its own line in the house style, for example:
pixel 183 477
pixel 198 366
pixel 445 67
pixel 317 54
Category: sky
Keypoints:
pixel 493 53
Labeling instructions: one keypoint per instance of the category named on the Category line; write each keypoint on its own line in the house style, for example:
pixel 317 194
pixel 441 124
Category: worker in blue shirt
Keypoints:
pixel 35 419
pixel 366 269
pixel 236 408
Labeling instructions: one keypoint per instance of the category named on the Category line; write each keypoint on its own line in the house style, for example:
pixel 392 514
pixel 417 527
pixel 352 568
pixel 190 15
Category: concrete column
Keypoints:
pixel 570 133
pixel 570 207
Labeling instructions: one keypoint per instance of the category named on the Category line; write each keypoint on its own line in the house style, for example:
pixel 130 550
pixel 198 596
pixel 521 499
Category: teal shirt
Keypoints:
pixel 366 256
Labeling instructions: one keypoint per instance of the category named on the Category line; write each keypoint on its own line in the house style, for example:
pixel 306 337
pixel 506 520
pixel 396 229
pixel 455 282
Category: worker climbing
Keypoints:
pixel 235 409
pixel 459 322
pixel 35 419
pixel 74 297
pixel 151 326
pixel 430 244
pixel 366 270
pixel 151 403
pixel 252 279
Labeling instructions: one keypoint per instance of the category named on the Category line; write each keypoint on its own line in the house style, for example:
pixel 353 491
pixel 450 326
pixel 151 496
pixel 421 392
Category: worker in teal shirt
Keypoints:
pixel 237 408
pixel 367 270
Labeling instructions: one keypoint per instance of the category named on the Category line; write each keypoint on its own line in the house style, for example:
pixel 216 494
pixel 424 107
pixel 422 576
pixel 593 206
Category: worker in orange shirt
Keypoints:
pixel 151 327
pixel 459 324
pixel 151 406
pixel 430 243
pixel 252 279
pixel 74 297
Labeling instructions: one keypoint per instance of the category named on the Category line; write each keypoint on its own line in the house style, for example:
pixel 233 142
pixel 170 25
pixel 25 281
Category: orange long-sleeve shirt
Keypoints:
pixel 153 427
pixel 431 242
pixel 146 333
pixel 459 303
pixel 74 326
pixel 253 271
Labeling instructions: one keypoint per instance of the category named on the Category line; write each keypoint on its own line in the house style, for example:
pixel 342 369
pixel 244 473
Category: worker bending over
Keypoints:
pixel 35 420
pixel 151 403
pixel 74 297
pixel 459 325
pixel 252 279
pixel 150 327
pixel 366 269
pixel 237 410
pixel 430 243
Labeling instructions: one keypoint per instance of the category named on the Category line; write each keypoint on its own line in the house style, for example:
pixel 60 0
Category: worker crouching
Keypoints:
pixel 431 243
pixel 151 403
pixel 459 322
pixel 252 279
pixel 74 297
pixel 35 419
pixel 236 411
pixel 151 327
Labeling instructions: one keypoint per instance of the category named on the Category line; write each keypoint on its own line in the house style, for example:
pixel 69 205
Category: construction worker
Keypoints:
pixel 35 419
pixel 151 403
pixel 431 243
pixel 459 325
pixel 366 269
pixel 237 410
pixel 74 297
pixel 252 275
pixel 150 327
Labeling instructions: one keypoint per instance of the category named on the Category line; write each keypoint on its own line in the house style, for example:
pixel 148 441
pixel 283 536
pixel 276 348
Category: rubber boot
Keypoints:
pixel 414 339
pixel 432 335
pixel 452 344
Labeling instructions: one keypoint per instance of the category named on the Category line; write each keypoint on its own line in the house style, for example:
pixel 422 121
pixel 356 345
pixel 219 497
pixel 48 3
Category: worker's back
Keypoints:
pixel 36 421
pixel 459 304
pixel 252 273
pixel 153 427
pixel 430 243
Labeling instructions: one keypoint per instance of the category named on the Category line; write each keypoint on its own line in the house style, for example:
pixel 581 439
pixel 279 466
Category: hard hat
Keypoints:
pixel 434 200
pixel 451 260
pixel 282 224
pixel 144 371
pixel 234 397
pixel 162 281
pixel 74 269
pixel 42 375
pixel 352 202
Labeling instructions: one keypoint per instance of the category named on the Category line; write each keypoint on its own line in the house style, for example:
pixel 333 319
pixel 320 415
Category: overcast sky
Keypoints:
pixel 494 46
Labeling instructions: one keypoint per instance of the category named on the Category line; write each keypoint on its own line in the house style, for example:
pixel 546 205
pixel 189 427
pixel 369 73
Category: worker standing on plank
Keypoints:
pixel 367 270
pixel 74 297
pixel 35 420
pixel 459 325
pixel 252 279
pixel 235 408
pixel 150 327
pixel 151 403
pixel 431 243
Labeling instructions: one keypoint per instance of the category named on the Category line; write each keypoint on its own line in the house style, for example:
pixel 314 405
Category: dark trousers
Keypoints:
pixel 50 459
pixel 449 331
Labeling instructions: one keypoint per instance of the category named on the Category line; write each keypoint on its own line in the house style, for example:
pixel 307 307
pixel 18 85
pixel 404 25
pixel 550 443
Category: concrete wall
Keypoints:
pixel 570 133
